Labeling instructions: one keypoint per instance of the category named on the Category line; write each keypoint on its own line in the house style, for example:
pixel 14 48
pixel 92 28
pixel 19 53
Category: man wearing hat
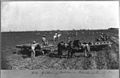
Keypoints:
pixel 33 46
pixel 44 40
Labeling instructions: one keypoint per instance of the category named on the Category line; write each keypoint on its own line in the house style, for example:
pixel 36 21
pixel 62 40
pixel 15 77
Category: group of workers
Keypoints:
pixel 61 45
pixel 44 43
pixel 102 37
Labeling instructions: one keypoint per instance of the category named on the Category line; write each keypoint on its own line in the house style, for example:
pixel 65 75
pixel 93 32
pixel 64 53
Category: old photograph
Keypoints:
pixel 60 35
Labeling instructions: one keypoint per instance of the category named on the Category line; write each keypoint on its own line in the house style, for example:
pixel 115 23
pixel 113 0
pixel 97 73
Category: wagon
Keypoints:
pixel 96 46
pixel 26 49
pixel 93 46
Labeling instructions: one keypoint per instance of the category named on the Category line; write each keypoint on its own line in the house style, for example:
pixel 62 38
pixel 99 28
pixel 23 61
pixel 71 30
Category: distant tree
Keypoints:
pixel 113 28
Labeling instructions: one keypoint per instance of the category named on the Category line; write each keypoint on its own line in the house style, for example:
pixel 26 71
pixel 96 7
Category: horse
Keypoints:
pixel 80 47
pixel 73 47
pixel 62 47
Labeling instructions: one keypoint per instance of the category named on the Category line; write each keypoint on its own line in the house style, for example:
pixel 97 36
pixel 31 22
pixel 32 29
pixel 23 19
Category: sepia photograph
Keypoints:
pixel 60 35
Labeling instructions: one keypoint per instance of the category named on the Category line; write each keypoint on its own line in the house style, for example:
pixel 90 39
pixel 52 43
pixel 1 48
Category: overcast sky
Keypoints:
pixel 63 15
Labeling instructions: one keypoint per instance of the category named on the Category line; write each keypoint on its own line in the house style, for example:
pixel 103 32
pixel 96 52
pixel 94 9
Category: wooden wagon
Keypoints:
pixel 86 48
pixel 96 46
pixel 26 49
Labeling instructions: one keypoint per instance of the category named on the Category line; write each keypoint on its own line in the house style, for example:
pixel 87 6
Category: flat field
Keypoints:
pixel 104 59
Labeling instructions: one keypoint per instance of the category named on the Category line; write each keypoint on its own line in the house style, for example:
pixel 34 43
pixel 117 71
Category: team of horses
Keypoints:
pixel 73 47
pixel 82 47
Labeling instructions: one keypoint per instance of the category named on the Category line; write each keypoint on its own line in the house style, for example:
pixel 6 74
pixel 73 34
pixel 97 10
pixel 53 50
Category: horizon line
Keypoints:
pixel 59 30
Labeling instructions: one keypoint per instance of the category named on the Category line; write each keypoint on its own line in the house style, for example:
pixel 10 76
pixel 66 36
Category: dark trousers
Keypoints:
pixel 60 52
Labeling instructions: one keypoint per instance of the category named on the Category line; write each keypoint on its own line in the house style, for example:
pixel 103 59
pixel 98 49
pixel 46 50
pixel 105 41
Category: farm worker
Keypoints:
pixel 86 47
pixel 56 37
pixel 69 49
pixel 60 48
pixel 102 37
pixel 33 46
pixel 69 39
pixel 105 36
pixel 44 41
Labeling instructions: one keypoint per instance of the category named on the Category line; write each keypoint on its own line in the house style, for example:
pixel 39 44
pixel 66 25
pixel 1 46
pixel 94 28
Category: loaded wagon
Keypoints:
pixel 87 48
pixel 26 49
pixel 96 46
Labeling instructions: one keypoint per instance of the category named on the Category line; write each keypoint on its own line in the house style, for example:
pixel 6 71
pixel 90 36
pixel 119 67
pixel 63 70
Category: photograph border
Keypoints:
pixel 36 72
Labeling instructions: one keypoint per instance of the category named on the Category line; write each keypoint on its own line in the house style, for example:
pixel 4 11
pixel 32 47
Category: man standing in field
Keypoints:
pixel 33 47
pixel 69 42
pixel 103 37
pixel 44 41
pixel 69 39
pixel 56 37
pixel 60 48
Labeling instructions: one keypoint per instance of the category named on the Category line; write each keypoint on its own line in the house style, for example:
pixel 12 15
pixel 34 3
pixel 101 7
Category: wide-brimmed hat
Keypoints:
pixel 34 42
